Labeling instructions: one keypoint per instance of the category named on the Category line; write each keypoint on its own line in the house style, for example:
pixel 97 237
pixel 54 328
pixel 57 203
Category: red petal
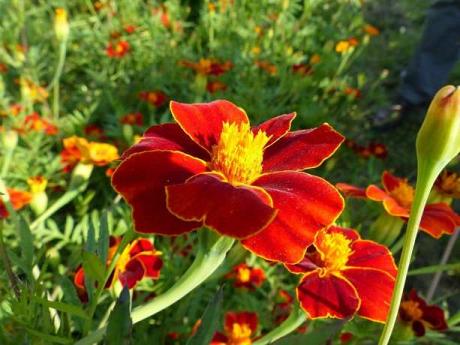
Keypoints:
pixel 140 245
pixel 327 296
pixel 351 234
pixel 390 181
pixel 152 264
pixel 351 191
pixel 203 121
pixel 309 263
pixel 141 180
pixel 219 339
pixel 372 255
pixel 438 219
pixel 168 136
pixel 376 194
pixel 236 211
pixel 303 149
pixel 375 289
pixel 305 204
pixel 435 317
pixel 79 278
pixel 241 318
pixel 389 203
pixel 134 272
pixel 277 127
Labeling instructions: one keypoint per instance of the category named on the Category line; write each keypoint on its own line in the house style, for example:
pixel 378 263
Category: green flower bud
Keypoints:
pixel 438 140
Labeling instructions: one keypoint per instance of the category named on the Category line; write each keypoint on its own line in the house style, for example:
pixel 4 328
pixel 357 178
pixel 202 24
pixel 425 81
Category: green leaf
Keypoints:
pixel 318 336
pixel 61 306
pixel 209 321
pixel 91 238
pixel 26 242
pixel 120 324
pixel 103 240
pixel 93 267
pixel 434 269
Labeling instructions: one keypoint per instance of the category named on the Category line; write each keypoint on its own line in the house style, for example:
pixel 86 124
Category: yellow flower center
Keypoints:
pixel 37 184
pixel 412 309
pixel 335 250
pixel 240 334
pixel 404 194
pixel 244 275
pixel 239 153
pixel 449 183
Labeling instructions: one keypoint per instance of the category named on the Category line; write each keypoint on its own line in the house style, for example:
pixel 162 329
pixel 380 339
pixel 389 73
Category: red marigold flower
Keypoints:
pixel 378 150
pixel 118 49
pixel 246 276
pixel 133 119
pixel 239 329
pixel 371 30
pixel 344 275
pixel 302 69
pixel 36 123
pixel 215 85
pixel 346 337
pixel 129 28
pixel 416 312
pixel 208 66
pixel 267 67
pixel 18 199
pixel 94 132
pixel 155 98
pixel 448 184
pixel 213 169
pixel 353 92
pixel 162 13
pixel 397 197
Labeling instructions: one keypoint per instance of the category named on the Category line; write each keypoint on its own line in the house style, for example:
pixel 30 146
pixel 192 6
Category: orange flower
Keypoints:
pixel 70 155
pixel 346 45
pixel 448 184
pixel 371 30
pixel 215 86
pixel 208 66
pixel 239 329
pixel 162 13
pixel 118 49
pixel 155 98
pixel 373 149
pixel 129 28
pixel 341 278
pixel 246 276
pixel 353 92
pixel 32 91
pixel 139 260
pixel 36 123
pixel 37 184
pixel 419 315
pixel 397 197
pixel 18 200
pixel 267 67
pixel 315 59
pixel 133 119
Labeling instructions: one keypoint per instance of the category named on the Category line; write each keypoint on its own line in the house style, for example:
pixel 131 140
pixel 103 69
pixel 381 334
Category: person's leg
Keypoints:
pixel 436 55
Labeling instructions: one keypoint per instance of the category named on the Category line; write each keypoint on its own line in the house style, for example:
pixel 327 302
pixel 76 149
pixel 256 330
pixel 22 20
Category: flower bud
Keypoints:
pixel 61 25
pixel 9 140
pixel 39 202
pixel 438 140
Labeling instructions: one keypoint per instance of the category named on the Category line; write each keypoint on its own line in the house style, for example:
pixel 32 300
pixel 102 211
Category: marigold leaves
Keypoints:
pixel 62 307
pixel 27 245
pixel 120 323
pixel 318 336
pixel 209 321
pixel 93 267
pixel 103 239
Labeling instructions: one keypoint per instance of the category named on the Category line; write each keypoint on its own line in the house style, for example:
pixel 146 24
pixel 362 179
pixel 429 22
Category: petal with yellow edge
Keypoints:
pixel 236 211
pixel 372 255
pixel 328 296
pixel 203 121
pixel 351 191
pixel 305 204
pixel 276 127
pixel 375 289
pixel 168 136
pixel 302 149
pixel 390 181
pixel 141 180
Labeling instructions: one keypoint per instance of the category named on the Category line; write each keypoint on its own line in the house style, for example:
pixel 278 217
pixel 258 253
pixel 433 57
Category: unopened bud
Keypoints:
pixel 438 140
pixel 9 140
pixel 61 25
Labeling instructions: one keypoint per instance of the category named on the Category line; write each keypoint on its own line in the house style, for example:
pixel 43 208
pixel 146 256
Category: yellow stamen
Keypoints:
pixel 244 275
pixel 239 153
pixel 335 250
pixel 240 334
pixel 404 194
pixel 412 309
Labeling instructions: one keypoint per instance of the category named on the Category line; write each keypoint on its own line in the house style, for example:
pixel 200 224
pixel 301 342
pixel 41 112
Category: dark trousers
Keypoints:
pixel 436 55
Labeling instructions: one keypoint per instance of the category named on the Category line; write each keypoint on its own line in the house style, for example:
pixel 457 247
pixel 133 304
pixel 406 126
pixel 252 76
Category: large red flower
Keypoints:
pixel 344 275
pixel 213 169
pixel 416 312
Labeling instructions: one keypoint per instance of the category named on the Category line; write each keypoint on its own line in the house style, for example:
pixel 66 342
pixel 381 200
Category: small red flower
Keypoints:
pixel 36 123
pixel 245 276
pixel 208 66
pixel 94 132
pixel 448 184
pixel 344 275
pixel 213 169
pixel 215 86
pixel 129 28
pixel 267 67
pixel 302 69
pixel 346 337
pixel 239 329
pixel 155 98
pixel 117 50
pixel 416 312
pixel 18 199
pixel 397 197
pixel 133 119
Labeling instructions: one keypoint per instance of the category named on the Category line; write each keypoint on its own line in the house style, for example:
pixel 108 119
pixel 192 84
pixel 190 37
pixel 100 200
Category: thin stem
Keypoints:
pixel 444 259
pixel 425 181
pixel 6 162
pixel 206 262
pixel 294 321
pixel 57 77
pixel 7 265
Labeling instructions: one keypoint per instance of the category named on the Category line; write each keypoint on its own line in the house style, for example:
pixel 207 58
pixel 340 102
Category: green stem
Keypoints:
pixel 7 265
pixel 58 204
pixel 294 321
pixel 6 162
pixel 57 77
pixel 425 180
pixel 205 263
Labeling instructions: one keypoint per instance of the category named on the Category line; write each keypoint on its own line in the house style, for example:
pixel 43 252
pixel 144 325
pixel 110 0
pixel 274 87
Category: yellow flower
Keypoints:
pixel 37 184
pixel 61 25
